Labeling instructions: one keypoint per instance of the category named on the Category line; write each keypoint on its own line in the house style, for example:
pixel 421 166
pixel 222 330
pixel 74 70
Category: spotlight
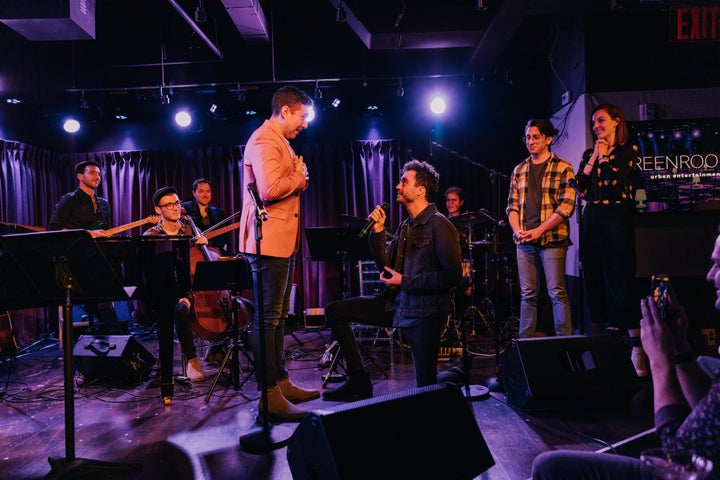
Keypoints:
pixel 335 103
pixel 13 101
pixel 437 104
pixel 213 108
pixel 71 125
pixel 340 14
pixel 310 115
pixel 183 118
pixel 83 101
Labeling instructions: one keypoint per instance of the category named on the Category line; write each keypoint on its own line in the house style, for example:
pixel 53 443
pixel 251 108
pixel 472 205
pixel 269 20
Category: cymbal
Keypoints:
pixel 481 243
pixel 468 218
pixel 485 243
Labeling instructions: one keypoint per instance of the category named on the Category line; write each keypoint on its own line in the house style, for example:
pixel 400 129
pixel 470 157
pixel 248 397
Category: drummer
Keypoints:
pixel 454 201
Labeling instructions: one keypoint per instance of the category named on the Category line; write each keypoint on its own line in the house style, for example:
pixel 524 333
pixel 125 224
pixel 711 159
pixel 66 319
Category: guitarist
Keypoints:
pixel 83 208
pixel 206 215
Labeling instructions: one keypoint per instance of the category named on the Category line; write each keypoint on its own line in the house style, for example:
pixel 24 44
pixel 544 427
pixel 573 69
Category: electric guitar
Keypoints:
pixel 128 226
pixel 17 226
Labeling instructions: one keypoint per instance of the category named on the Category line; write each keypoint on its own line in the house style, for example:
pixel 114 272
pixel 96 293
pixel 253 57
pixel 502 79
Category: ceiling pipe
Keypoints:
pixel 312 81
pixel 195 27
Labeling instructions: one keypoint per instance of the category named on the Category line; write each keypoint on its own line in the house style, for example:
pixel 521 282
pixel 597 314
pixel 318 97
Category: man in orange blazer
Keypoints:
pixel 277 177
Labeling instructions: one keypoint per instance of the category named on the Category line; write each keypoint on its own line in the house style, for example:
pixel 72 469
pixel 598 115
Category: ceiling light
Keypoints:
pixel 71 125
pixel 183 118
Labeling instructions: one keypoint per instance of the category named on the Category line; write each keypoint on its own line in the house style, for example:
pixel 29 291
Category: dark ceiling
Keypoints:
pixel 143 50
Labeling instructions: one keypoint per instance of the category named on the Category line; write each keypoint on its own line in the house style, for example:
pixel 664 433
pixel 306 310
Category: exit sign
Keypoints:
pixel 695 24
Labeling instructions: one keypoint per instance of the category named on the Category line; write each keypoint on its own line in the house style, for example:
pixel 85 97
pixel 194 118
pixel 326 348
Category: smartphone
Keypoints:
pixel 660 285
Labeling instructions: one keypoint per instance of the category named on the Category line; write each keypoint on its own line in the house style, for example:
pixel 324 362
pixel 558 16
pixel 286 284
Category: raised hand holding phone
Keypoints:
pixel 660 285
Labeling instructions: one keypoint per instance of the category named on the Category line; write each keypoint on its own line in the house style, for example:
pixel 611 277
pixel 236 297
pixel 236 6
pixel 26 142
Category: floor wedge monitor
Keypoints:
pixel 565 372
pixel 427 432
pixel 112 356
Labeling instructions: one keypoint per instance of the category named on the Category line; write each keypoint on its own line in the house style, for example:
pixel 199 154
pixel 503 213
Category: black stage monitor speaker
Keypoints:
pixel 573 371
pixel 112 356
pixel 427 432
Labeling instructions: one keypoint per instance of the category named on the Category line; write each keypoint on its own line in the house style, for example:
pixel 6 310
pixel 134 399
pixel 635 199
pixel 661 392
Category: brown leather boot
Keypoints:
pixel 297 394
pixel 279 409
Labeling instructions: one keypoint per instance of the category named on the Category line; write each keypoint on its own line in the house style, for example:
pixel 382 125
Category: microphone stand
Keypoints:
pixel 266 438
pixel 492 173
pixel 581 273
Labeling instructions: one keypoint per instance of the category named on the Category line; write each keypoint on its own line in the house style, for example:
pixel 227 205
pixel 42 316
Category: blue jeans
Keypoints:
pixel 573 465
pixel 277 274
pixel 552 260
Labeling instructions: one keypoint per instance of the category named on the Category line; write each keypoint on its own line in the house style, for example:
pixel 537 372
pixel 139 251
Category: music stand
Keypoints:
pixel 57 268
pixel 233 276
pixel 340 244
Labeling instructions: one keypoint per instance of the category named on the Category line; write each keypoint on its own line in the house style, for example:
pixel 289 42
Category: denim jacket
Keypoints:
pixel 426 250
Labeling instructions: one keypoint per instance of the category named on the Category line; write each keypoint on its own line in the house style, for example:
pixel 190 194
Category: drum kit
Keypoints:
pixel 473 308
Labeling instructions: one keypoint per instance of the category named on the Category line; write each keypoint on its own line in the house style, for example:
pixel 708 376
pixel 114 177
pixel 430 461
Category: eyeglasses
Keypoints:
pixel 170 205
pixel 535 138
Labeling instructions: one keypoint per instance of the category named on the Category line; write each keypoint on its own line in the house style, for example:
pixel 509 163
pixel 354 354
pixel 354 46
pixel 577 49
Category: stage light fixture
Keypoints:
pixel 200 14
pixel 83 101
pixel 400 90
pixel 183 118
pixel 70 125
pixel 438 105
pixel 340 14
pixel 318 92
pixel 335 103
pixel 213 108
pixel 13 101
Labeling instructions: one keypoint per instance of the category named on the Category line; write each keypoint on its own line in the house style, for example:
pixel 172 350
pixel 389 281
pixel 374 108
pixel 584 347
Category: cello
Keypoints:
pixel 210 308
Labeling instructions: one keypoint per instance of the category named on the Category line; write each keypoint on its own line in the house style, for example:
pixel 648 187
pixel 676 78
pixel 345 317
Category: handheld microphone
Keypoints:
pixel 369 225
pixel 252 188
pixel 493 219
pixel 573 184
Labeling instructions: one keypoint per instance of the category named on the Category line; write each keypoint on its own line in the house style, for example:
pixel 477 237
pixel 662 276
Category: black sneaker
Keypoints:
pixel 357 387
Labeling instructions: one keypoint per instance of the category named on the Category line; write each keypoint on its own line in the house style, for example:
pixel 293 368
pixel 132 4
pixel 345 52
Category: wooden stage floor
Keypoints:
pixel 117 421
